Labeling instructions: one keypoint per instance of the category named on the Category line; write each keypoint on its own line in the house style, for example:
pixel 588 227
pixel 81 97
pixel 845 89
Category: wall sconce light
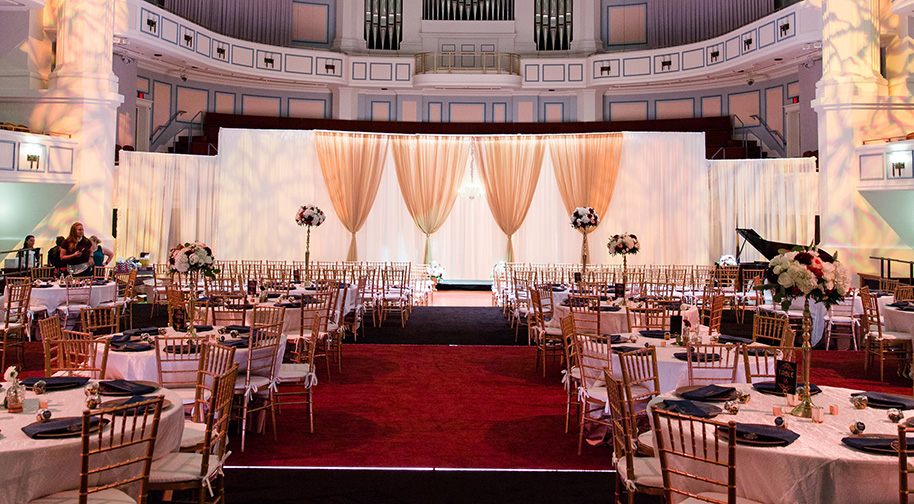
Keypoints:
pixel 330 68
pixel 898 168
pixel 747 43
pixel 785 28
pixel 666 65
pixel 151 24
pixel 220 52
pixel 605 69
pixel 268 62
pixel 188 40
pixel 715 54
pixel 32 154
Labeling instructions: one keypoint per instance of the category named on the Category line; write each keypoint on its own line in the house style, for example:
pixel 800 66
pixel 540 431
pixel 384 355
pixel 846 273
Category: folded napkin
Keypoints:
pixel 675 305
pixel 608 338
pixel 288 305
pixel 886 401
pixel 557 288
pixel 183 349
pixel 137 332
pixel 898 304
pixel 58 427
pixel 879 293
pixel 610 308
pixel 120 338
pixel 907 308
pixel 135 410
pixel 130 347
pixel 698 357
pixel 770 387
pixel 626 349
pixel 757 350
pixel 273 295
pixel 240 328
pixel 695 409
pixel 723 338
pixel 573 302
pixel 99 281
pixel 124 387
pixel 58 382
pixel 42 286
pixel 236 343
pixel 652 333
pixel 878 443
pixel 199 328
pixel 764 434
pixel 710 393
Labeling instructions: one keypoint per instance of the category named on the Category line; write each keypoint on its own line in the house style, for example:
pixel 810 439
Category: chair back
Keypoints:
pixel 872 322
pixel 904 293
pixel 696 455
pixel 264 343
pixel 646 318
pixel 760 361
pixel 620 422
pixel 586 313
pixel 595 356
pixel 215 360
pixel 706 369
pixel 640 379
pixel 217 416
pixel 177 360
pixel 712 313
pixel 43 273
pixel 49 328
pixel 771 326
pixel 99 320
pixel 547 305
pixel 122 451
pixel 904 468
pixel 79 292
pixel 229 310
pixel 18 297
pixel 76 354
pixel 572 358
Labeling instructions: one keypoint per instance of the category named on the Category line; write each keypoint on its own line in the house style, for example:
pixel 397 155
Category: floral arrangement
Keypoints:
pixel 11 373
pixel 727 260
pixel 309 215
pixel 436 270
pixel 192 258
pixel 806 272
pixel 626 302
pixel 584 217
pixel 623 244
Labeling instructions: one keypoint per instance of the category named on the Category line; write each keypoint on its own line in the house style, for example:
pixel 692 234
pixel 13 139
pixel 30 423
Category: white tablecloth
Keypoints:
pixel 617 322
pixel 292 317
pixel 141 366
pixel 36 467
pixel 897 320
pixel 817 467
pixel 55 296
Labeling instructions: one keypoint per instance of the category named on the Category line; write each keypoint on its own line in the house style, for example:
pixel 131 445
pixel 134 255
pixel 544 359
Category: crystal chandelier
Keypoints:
pixel 471 189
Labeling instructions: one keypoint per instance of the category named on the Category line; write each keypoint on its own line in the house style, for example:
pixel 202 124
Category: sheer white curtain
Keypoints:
pixel 163 200
pixel 778 198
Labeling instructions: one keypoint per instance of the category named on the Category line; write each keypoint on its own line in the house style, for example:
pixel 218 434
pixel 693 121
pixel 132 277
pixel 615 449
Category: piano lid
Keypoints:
pixel 769 249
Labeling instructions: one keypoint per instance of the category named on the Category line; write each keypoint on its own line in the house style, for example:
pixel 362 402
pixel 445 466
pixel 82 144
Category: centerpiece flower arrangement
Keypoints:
pixel 15 396
pixel 436 271
pixel 727 260
pixel 809 273
pixel 309 216
pixel 623 244
pixel 192 259
pixel 583 219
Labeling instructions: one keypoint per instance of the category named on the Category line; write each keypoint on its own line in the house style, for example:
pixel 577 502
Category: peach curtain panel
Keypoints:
pixel 586 168
pixel 430 170
pixel 510 168
pixel 352 165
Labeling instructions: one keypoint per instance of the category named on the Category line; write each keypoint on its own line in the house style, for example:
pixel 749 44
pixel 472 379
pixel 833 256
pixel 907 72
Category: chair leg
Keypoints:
pixel 244 422
pixel 310 411
pixel 581 427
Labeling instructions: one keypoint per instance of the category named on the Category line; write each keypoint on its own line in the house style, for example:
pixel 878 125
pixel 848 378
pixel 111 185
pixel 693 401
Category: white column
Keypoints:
pixel 25 51
pixel 346 103
pixel 899 58
pixel 586 26
pixel 350 24
pixel 412 27
pixel 588 108
pixel 83 100
pixel 523 28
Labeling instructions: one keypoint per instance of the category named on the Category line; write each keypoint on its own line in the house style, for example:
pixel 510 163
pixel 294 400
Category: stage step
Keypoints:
pixel 464 285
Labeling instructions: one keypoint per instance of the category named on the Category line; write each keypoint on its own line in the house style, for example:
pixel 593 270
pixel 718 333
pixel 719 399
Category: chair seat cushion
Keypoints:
pixel 893 335
pixel 717 496
pixel 646 471
pixel 289 372
pixel 554 331
pixel 180 466
pixel 261 382
pixel 109 496
pixel 188 394
pixel 646 439
pixel 194 434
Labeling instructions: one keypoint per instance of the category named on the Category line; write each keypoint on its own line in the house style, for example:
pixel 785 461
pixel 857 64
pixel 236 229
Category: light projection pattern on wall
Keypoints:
pixel 468 10
pixel 552 24
pixel 383 24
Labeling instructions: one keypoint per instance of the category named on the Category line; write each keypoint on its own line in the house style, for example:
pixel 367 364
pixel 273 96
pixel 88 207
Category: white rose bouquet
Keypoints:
pixel 584 217
pixel 436 270
pixel 11 373
pixel 623 244
pixel 806 272
pixel 309 215
pixel 194 257
pixel 727 260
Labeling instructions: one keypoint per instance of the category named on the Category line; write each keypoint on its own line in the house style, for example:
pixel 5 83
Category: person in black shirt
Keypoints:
pixel 54 255
pixel 76 253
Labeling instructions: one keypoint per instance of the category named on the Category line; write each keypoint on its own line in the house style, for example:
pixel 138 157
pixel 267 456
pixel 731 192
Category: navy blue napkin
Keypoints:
pixel 886 444
pixel 758 350
pixel 124 387
pixel 137 332
pixel 770 387
pixel 58 427
pixel 58 382
pixel 695 409
pixel 710 393
pixel 898 304
pixel 120 338
pixel 273 295
pixel 557 288
pixel 626 349
pixel 199 328
pixel 288 305
pixel 240 328
pixel 887 401
pixel 136 410
pixel 131 347
pixel 42 286
pixel 183 349
pixel 610 308
pixel 99 281
pixel 907 308
pixel 652 333
pixel 723 338
pixel 698 357
pixel 760 433
pixel 236 343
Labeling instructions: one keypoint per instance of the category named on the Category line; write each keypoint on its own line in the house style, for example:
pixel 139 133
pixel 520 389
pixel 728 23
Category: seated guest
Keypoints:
pixel 29 242
pixel 54 255
pixel 76 252
pixel 100 255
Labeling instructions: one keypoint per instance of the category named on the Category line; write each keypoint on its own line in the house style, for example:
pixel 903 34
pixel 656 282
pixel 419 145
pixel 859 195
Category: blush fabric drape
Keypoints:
pixel 430 170
pixel 586 168
pixel 352 165
pixel 509 167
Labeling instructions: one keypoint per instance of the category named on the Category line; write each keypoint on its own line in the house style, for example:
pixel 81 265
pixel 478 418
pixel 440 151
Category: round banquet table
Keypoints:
pixel 141 366
pixel 897 320
pixel 55 296
pixel 817 467
pixel 36 467
pixel 292 316
pixel 615 322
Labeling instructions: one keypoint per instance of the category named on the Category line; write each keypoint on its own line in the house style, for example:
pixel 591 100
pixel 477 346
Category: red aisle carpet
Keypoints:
pixel 429 406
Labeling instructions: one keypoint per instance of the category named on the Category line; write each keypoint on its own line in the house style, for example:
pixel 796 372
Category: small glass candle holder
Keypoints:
pixel 163 331
pixel 91 388
pixel 781 422
pixel 221 330
pixel 777 410
pixel 857 427
pixel 666 335
pixel 792 400
pixel 633 338
pixel 43 415
pixel 731 407
pixel 818 414
pixel 833 409
pixel 895 415
pixel 860 401
pixel 714 339
pixel 743 397
pixel 93 401
pixel 233 333
pixel 40 387
pixel 145 336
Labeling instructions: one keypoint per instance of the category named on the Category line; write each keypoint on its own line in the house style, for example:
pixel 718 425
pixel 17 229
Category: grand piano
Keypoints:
pixel 769 249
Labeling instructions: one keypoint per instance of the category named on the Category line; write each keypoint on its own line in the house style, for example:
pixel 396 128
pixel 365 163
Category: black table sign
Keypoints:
pixel 179 320
pixel 252 287
pixel 676 324
pixel 786 377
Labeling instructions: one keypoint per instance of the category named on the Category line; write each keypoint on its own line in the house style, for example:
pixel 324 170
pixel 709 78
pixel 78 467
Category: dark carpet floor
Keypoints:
pixel 437 325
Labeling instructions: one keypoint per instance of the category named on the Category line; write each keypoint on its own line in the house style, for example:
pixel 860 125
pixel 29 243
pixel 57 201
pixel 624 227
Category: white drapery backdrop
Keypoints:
pixel 662 194
pixel 164 199
pixel 778 198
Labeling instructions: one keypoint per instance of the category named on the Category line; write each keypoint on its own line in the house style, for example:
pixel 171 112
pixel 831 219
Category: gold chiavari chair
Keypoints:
pixel 585 310
pixel 842 321
pixel 712 314
pixel 76 354
pixel 201 473
pixel 229 310
pixel 634 474
pixel 43 273
pixel 748 298
pixel 904 293
pixel 18 280
pixel 572 373
pixel 645 318
pixel 771 327
pixel 595 355
pixel 878 343
pixel 695 451
pixel 102 272
pixel 760 361
pixel 124 297
pixel 162 282
pixel 79 294
pixel 255 386
pixel 14 330
pixel 395 297
pixel 177 361
pixel 354 319
pixel 120 454
pixel 215 360
pixel 548 339
pixel 712 363
pixel 99 321
pixel 641 383
pixel 297 379
pixel 904 467
pixel 49 329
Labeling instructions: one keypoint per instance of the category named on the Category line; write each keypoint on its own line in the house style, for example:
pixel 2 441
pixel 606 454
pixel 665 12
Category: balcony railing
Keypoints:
pixel 468 62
